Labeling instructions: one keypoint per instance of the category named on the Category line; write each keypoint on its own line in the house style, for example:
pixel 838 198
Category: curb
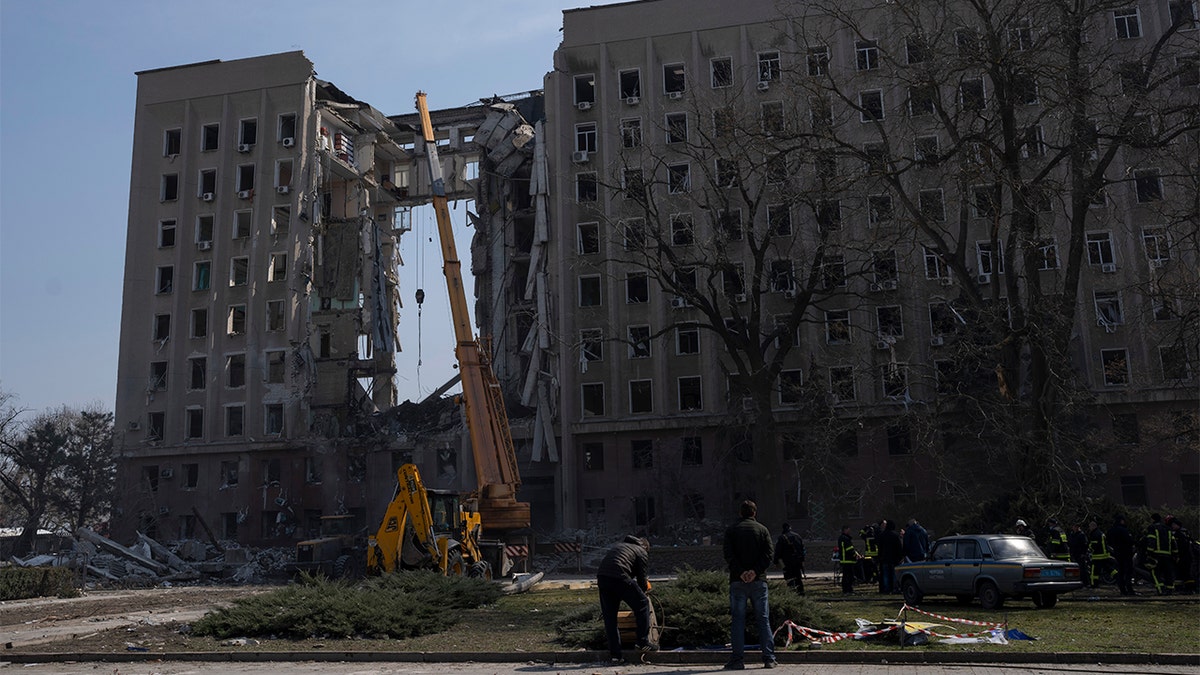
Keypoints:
pixel 580 657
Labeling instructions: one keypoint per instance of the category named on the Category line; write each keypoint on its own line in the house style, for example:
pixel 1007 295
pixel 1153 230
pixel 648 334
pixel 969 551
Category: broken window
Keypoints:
pixel 985 201
pixel 1158 248
pixel 247 132
pixel 637 288
pixel 729 224
pixel 820 114
pixel 690 394
pixel 1099 248
pixel 721 69
pixel 236 324
pixel 235 370
pixel 165 279
pixel 674 78
pixel 235 423
pixel 229 473
pixel 642 453
pixel 229 526
pixel 273 419
pixel 210 136
pixel 245 179
pixel 683 231
pixel 242 221
pixel 194 426
pixel 1115 364
pixel 634 185
pixel 169 190
pixel 773 120
pixel 870 106
pixel 593 456
pixel 1148 184
pixel 644 511
pixel 967 41
pixel 276 368
pixel 197 373
pixel 825 165
pixel 866 54
pixel 166 233
pixel 725 122
pixel 585 187
pixel 1020 36
pixel 829 214
pixel 1127 23
pixel 932 204
pixel 592 395
pixel 916 49
pixel 204 231
pixel 1188 67
pixel 841 383
pixel 971 94
pixel 875 155
pixel 687 339
pixel 733 282
pixel 585 137
pixel 591 344
pixel 677 128
pixel 837 326
pixel 885 267
pixel 778 170
pixel 639 342
pixel 1108 309
pixel 154 425
pixel 324 342
pixel 679 178
pixel 200 322
pixel 725 173
pixel 239 271
pixel 693 451
pixel 818 61
pixel 1032 143
pixel 941 319
pixel 1174 362
pixel 895 380
pixel 770 68
pixel 162 326
pixel 631 84
pixel 281 219
pixel 585 89
pixel 278 269
pixel 283 174
pixel 287 128
pixel 158 375
pixel 270 471
pixel 172 141
pixel 1025 88
pixel 790 387
pixel 208 184
pixel 891 321
pixel 879 210
pixel 588 238
pixel 641 397
pixel 779 220
pixel 150 476
pixel 922 99
pixel 935 267
pixel 833 271
pixel 986 258
pixel 190 477
pixel 589 291
pixel 201 274
pixel 782 278
pixel 275 315
pixel 631 132
pixel 1047 251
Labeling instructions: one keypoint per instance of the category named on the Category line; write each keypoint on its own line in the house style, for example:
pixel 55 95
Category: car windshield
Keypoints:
pixel 1015 547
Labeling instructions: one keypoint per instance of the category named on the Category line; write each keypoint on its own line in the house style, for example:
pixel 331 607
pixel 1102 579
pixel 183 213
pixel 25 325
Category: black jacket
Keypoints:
pixel 748 547
pixel 626 560
pixel 790 550
pixel 1121 540
pixel 891 550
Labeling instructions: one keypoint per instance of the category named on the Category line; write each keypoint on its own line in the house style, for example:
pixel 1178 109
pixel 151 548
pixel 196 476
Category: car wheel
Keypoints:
pixel 990 596
pixel 1045 600
pixel 912 592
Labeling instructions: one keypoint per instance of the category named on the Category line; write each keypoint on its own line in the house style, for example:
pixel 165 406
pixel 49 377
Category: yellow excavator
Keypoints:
pixel 440 529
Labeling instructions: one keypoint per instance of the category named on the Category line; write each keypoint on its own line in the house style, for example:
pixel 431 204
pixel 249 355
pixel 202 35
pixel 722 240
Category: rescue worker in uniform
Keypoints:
pixel 1185 562
pixel 848 559
pixel 1101 559
pixel 1056 541
pixel 1159 545
pixel 1122 543
pixel 789 554
pixel 870 553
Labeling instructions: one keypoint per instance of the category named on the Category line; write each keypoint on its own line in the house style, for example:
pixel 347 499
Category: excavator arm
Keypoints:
pixel 409 507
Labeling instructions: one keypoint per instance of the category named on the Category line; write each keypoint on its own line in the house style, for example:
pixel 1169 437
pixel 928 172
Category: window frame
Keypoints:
pixel 713 72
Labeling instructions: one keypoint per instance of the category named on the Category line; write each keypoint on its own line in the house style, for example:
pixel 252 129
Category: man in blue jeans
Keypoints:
pixel 748 550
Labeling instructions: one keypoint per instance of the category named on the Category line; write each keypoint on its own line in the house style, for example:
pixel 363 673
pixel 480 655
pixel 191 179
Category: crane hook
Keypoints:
pixel 420 296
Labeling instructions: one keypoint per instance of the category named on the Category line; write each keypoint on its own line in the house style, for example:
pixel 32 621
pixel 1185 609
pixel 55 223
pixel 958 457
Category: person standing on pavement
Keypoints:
pixel 1077 551
pixel 1159 545
pixel 789 554
pixel 916 541
pixel 621 577
pixel 1121 540
pixel 891 552
pixel 848 559
pixel 748 551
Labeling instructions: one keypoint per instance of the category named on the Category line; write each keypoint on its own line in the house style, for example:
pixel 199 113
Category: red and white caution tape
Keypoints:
pixel 826 637
pixel 907 608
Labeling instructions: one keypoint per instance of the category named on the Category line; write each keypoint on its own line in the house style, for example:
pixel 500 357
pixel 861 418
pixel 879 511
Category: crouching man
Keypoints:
pixel 622 578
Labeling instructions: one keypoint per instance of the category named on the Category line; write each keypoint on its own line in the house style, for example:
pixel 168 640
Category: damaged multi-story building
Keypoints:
pixel 256 383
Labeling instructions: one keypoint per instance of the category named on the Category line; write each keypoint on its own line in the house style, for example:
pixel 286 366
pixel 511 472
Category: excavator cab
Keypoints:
pixel 445 510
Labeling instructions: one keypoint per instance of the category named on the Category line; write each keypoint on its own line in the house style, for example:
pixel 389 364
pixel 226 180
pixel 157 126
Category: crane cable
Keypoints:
pixel 420 294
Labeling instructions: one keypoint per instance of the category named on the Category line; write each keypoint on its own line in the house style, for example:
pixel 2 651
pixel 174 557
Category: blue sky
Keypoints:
pixel 67 95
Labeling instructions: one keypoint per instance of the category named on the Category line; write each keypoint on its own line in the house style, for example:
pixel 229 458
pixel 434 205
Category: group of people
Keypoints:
pixel 884 547
pixel 1166 554
pixel 748 551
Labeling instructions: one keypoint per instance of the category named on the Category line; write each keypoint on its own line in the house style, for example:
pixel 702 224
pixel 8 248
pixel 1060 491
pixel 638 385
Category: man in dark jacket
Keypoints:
pixel 621 577
pixel 891 552
pixel 847 559
pixel 1121 540
pixel 748 551
pixel 916 541
pixel 789 554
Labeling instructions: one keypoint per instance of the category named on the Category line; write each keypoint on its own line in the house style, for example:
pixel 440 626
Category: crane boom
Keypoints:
pixel 483 402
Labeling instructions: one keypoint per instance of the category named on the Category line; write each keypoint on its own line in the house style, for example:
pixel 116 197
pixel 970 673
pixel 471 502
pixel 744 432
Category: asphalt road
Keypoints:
pixel 325 668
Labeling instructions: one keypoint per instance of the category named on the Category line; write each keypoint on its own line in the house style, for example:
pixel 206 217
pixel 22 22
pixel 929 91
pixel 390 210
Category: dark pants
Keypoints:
pixel 848 576
pixel 1125 574
pixel 887 578
pixel 613 592
pixel 1163 573
pixel 794 576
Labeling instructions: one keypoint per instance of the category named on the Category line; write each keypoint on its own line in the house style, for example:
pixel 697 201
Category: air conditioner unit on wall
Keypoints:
pixel 937 341
pixel 875 288
pixel 244 194
pixel 790 294
pixel 763 86
pixel 204 245
pixel 579 156
pixel 585 105
pixel 207 196
pixel 1158 262
pixel 676 95
pixel 167 473
pixel 1108 268
pixel 288 142
pixel 134 426
pixel 984 279
pixel 164 510
pixel 738 297
pixel 632 100
pixel 283 189
pixel 678 302
pixel 889 285
pixel 245 147
pixel 883 345
pixel 946 281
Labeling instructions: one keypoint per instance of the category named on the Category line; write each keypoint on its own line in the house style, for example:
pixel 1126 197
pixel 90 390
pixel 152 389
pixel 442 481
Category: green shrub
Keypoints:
pixel 18 583
pixel 694 612
pixel 401 605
